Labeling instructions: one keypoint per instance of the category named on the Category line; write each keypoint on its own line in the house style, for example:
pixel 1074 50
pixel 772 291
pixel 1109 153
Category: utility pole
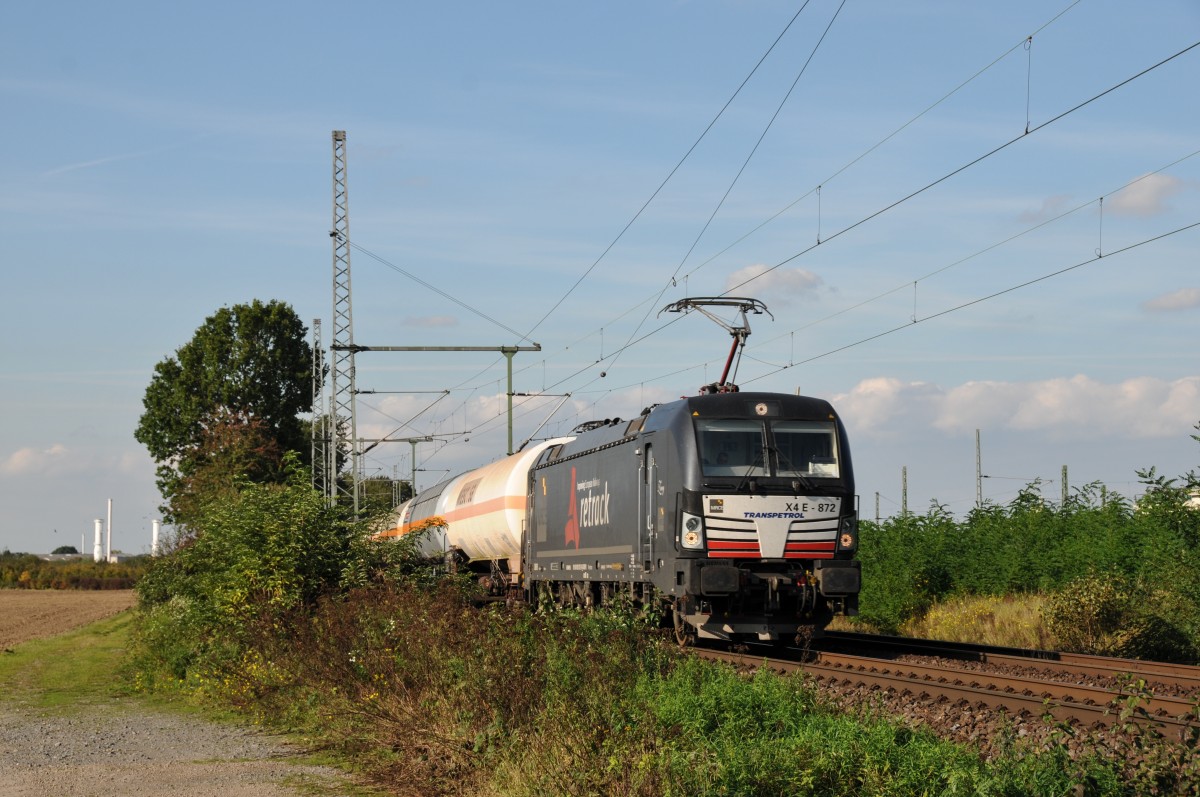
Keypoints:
pixel 320 423
pixel 341 373
pixel 1064 487
pixel 904 491
pixel 978 474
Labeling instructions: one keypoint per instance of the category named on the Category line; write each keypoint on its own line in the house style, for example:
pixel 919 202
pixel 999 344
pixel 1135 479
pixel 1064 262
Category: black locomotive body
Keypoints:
pixel 736 509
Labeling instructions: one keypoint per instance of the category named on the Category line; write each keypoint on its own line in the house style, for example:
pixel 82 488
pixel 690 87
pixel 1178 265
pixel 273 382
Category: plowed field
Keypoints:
pixel 33 614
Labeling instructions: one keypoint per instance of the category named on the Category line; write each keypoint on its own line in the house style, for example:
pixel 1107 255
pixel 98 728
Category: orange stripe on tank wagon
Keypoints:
pixel 468 512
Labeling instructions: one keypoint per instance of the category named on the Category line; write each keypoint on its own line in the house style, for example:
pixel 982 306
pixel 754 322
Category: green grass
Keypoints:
pixel 78 668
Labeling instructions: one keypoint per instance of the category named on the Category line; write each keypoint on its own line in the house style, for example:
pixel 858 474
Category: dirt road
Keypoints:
pixel 114 747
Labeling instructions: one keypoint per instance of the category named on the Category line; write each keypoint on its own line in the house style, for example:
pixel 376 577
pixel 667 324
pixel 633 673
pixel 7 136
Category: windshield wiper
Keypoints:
pixel 800 480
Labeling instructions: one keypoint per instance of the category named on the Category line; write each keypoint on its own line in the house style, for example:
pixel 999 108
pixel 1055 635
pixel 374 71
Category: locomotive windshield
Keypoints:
pixel 806 448
pixel 731 448
pixel 799 448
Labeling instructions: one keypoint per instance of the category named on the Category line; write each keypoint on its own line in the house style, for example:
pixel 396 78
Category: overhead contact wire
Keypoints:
pixel 741 171
pixel 919 191
pixel 671 174
pixel 860 157
pixel 966 166
pixel 982 299
pixel 885 139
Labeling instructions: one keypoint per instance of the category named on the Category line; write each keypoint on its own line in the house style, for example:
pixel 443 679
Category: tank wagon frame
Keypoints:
pixel 734 511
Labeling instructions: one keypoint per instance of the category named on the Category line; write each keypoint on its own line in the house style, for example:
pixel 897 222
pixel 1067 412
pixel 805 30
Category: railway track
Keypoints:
pixel 1088 691
pixel 1182 676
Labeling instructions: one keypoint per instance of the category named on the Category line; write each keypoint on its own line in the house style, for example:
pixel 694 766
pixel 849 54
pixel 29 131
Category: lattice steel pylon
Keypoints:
pixel 320 421
pixel 341 373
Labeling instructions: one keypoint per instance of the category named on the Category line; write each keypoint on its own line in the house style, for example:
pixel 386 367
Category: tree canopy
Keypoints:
pixel 229 398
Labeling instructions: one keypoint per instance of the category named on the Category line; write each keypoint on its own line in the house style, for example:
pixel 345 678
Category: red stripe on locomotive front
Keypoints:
pixel 732 545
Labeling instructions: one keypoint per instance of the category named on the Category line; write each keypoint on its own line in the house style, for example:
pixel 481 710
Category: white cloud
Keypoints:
pixel 1078 407
pixel 1182 299
pixel 59 460
pixel 31 461
pixel 1051 207
pixel 780 283
pixel 1145 197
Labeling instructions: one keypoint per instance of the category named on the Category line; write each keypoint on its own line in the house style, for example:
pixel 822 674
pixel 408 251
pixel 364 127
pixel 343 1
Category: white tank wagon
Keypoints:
pixel 483 509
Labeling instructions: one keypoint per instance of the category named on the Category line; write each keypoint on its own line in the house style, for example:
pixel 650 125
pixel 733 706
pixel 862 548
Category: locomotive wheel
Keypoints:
pixel 685 634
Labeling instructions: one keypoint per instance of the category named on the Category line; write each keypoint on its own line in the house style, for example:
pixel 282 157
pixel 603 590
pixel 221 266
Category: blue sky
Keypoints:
pixel 164 160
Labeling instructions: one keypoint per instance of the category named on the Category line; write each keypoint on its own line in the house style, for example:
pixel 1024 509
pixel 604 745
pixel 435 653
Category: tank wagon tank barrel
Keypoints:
pixel 736 511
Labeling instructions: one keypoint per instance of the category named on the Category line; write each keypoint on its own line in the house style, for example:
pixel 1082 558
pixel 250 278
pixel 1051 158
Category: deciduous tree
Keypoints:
pixel 247 367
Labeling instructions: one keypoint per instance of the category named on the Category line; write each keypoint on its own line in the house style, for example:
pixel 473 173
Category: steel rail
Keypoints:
pixel 946 685
pixel 1184 675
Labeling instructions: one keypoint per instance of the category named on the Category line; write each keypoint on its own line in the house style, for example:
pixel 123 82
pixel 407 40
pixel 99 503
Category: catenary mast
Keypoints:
pixel 341 372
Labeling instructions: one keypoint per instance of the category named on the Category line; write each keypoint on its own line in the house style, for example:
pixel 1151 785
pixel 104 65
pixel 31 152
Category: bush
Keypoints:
pixel 1032 546
pixel 261 553
pixel 1112 615
pixel 26 571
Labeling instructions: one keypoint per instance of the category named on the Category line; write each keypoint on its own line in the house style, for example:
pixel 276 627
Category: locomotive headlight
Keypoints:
pixel 692 531
pixel 848 534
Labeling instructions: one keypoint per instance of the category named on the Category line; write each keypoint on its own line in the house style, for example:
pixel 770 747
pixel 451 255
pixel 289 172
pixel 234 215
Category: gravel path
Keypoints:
pixel 106 752
pixel 119 747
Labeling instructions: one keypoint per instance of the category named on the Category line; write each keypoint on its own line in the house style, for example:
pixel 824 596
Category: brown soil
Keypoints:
pixel 27 614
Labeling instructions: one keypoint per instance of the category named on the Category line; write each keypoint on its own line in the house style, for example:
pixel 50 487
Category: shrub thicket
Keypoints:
pixel 258 554
pixel 431 695
pixel 27 571
pixel 1124 574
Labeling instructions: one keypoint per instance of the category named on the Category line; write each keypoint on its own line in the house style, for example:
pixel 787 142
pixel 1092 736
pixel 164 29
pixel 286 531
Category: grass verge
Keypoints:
pixel 77 668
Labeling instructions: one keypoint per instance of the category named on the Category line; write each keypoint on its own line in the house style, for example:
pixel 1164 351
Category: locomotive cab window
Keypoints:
pixel 731 448
pixel 806 448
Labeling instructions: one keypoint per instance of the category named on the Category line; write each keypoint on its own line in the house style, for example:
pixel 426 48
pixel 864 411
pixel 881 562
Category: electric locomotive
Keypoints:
pixel 734 511
pixel 737 510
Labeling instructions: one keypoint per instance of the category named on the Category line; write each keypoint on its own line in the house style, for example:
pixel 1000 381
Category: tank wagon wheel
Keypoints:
pixel 685 634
